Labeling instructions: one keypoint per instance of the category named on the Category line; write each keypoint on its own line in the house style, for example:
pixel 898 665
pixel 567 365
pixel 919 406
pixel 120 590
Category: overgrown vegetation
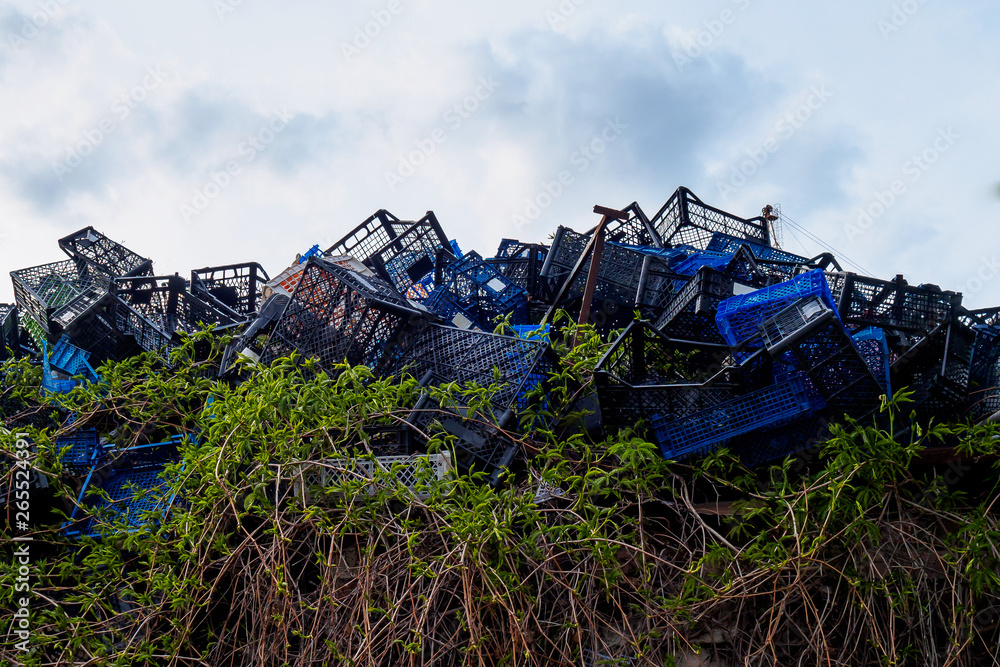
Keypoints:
pixel 594 552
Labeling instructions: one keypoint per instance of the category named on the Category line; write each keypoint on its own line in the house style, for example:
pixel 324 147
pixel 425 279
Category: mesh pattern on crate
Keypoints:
pixel 686 220
pixel 635 230
pixel 336 315
pixel 730 244
pixel 890 304
pixel 621 274
pixel 404 251
pixel 152 309
pixel 235 288
pixel 69 358
pixel 778 442
pixel 466 356
pixel 624 406
pixel 134 485
pixel 56 294
pixel 691 313
pixel 823 349
pixel 474 281
pixel 448 306
pixel 874 348
pixel 9 331
pixel 478 442
pixel 99 251
pixel 523 267
pixel 408 471
pixel 984 376
pixel 83 445
pixel 938 369
pixel 705 430
pixel 739 317
pixel 642 355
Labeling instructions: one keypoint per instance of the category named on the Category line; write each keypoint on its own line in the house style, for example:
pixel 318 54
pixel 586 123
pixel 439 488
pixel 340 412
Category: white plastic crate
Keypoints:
pixel 309 475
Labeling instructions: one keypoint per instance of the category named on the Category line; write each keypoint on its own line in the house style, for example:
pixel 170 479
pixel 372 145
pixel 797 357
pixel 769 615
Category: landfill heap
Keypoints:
pixel 739 343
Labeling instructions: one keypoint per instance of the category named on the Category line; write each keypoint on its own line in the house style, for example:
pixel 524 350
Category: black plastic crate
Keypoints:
pixel 105 255
pixel 153 309
pixel 984 375
pixel 635 229
pixel 234 289
pixel 788 438
pixel 57 295
pixel 690 314
pixel 466 356
pixel 627 277
pixel 522 263
pixel 645 374
pixel 891 304
pixel 402 252
pixel 480 440
pixel 821 348
pixel 938 369
pixel 686 220
pixel 10 333
pixel 337 315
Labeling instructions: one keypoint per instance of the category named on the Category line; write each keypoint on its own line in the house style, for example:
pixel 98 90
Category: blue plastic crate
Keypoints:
pixel 707 429
pixel 474 281
pixel 874 347
pixel 447 306
pixel 84 447
pixel 690 266
pixel 312 252
pixel 52 382
pixel 738 318
pixel 133 481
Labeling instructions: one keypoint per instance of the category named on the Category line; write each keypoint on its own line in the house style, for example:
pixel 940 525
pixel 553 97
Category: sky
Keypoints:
pixel 209 132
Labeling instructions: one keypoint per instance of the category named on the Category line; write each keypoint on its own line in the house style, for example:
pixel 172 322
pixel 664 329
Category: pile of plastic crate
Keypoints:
pixel 716 337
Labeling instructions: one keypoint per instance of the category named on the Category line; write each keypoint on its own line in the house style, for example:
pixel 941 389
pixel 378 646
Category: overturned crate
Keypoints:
pixel 155 309
pixel 481 286
pixel 107 256
pixel 690 314
pixel 627 278
pixel 760 410
pixel 312 481
pixel 809 332
pixel 336 315
pixel 686 220
pixel 892 304
pixel 129 486
pixel 234 289
pixel 938 369
pixel 402 252
pixel 646 374
pixel 522 264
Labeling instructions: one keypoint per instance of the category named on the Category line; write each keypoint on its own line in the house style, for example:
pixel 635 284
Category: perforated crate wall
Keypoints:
pixel 57 294
pixel 822 349
pixel 636 229
pixel 891 304
pixel 480 285
pixel 105 255
pixel 311 478
pixel 626 277
pixel 234 289
pixel 479 443
pixel 401 252
pixel 690 314
pixel 938 369
pixel 449 307
pixel 984 376
pixel 133 480
pixel 83 449
pixel 739 317
pixel 466 356
pixel 522 263
pixel 686 220
pixel 874 347
pixel 706 430
pixel 10 333
pixel 336 315
pixel 153 308
pixel 730 244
